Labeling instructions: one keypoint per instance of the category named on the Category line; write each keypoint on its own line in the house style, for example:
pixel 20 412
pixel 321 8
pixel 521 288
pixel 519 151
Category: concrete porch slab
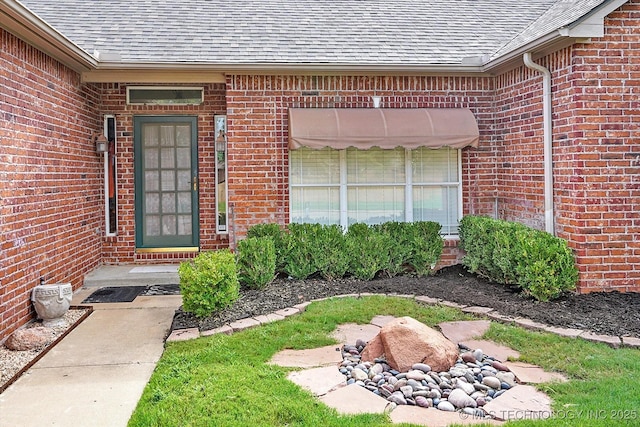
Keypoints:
pixel 464 330
pixel 141 301
pixel 318 381
pixel 353 399
pixel 323 356
pixel 129 274
pixel 348 333
pixel 432 417
pixel 532 374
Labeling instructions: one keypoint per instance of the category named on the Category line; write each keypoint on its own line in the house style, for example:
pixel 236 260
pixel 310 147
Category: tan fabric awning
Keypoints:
pixel 386 128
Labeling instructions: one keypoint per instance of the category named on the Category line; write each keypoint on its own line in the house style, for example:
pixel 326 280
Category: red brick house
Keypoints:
pixel 218 115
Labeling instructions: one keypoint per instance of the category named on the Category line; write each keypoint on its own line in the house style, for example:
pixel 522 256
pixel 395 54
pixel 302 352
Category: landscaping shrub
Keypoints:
pixel 542 265
pixel 426 246
pixel 276 232
pixel 476 238
pixel 256 259
pixel 330 248
pixel 368 251
pixel 399 245
pixel 208 283
pixel 300 250
pixel 548 267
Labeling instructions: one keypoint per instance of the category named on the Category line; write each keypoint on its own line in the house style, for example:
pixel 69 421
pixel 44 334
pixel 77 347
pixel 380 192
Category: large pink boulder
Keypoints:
pixel 404 342
pixel 29 338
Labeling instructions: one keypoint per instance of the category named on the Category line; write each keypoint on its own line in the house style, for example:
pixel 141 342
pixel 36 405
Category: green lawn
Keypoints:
pixel 224 380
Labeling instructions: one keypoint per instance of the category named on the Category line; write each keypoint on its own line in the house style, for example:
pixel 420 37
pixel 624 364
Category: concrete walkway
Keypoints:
pixel 96 374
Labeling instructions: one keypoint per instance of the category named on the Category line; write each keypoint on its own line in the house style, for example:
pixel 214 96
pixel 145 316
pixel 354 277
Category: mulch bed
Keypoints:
pixel 609 313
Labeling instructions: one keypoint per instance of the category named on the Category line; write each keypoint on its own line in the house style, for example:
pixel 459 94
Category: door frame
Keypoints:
pixel 138 122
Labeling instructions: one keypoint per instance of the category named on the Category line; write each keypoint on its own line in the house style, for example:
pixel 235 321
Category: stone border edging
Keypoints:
pixel 249 322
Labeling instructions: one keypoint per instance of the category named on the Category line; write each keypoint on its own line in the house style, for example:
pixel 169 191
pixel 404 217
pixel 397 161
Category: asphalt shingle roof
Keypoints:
pixel 349 32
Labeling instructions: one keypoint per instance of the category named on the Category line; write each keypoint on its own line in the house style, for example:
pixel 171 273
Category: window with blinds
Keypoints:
pixel 373 186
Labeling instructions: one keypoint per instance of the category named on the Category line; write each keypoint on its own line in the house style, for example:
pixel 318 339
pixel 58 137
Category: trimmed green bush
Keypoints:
pixel 542 265
pixel 256 258
pixel 368 251
pixel 276 233
pixel 209 282
pixel 399 246
pixel 330 252
pixel 426 246
pixel 300 249
pixel 304 250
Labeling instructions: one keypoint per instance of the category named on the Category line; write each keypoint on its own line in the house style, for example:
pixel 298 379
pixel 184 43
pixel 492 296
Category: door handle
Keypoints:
pixel 195 183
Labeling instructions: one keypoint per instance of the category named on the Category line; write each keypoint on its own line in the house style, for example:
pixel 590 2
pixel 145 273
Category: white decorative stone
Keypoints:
pixel 52 302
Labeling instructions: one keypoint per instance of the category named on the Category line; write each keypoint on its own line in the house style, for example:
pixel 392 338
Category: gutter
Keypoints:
pixel 547 141
pixel 300 68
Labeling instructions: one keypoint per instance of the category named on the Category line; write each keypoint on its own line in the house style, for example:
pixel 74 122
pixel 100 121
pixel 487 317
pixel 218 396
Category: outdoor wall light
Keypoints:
pixel 102 145
pixel 221 142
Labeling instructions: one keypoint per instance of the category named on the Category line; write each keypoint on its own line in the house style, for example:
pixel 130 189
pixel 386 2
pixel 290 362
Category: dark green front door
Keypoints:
pixel 166 182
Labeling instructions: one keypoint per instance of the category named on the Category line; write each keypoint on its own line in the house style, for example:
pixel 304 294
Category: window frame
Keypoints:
pixel 167 101
pixel 449 230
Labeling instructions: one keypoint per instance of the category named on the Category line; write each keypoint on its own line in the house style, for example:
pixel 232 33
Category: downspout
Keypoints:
pixel 548 142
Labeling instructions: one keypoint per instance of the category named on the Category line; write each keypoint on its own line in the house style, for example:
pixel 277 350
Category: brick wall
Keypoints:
pixel 603 220
pixel 50 175
pixel 257 117
pixel 121 248
pixel 596 159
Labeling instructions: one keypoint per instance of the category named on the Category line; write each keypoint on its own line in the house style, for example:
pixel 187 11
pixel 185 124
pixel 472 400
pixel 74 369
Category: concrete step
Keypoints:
pixel 130 274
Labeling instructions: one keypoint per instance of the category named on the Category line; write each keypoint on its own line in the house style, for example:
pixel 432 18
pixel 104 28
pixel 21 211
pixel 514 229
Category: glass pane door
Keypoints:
pixel 166 182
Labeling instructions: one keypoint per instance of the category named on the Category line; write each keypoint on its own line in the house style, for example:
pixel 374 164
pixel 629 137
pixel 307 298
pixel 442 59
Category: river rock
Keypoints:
pixel 415 375
pixel 398 398
pixel 507 377
pixel 423 402
pixel 406 341
pixel 359 375
pixel 29 338
pixel 376 369
pixel 499 366
pixel 421 367
pixel 468 357
pixel 466 387
pixel 460 399
pixel 444 405
pixel 492 382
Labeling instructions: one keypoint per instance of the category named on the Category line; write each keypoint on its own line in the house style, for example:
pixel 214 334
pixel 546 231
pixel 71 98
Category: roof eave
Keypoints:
pixel 583 30
pixel 18 20
pixel 542 46
pixel 171 72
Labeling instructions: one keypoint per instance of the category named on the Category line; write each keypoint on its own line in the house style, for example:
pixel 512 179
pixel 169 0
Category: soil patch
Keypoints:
pixel 609 313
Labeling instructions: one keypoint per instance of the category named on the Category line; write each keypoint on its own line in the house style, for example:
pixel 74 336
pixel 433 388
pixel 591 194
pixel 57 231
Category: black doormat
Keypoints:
pixel 115 294
pixel 162 290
